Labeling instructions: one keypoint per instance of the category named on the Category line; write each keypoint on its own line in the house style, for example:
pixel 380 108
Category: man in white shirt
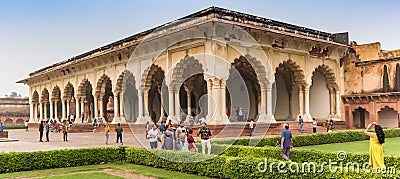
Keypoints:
pixel 152 135
pixel 251 126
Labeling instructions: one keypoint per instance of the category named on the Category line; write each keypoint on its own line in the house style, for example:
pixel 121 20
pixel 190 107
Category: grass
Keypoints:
pixel 95 171
pixel 391 147
pixel 97 175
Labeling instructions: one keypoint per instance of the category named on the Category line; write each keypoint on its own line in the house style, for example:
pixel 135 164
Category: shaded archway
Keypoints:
pixel 86 100
pixel 234 83
pixel 153 78
pixel 388 117
pixel 44 102
pixel 106 98
pixel 8 122
pixel 20 121
pixel 130 97
pixel 35 102
pixel 322 93
pixel 288 78
pixel 360 118
pixel 69 100
pixel 56 100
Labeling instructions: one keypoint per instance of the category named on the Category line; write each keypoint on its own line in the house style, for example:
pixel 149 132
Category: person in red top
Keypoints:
pixel 169 123
pixel 191 143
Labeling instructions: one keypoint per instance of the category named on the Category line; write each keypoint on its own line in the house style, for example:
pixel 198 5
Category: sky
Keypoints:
pixel 36 34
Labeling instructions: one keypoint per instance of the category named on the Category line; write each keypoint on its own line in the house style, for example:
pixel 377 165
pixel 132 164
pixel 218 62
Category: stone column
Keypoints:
pixel 101 107
pixel 95 105
pixel 161 106
pixel 307 115
pixel 77 111
pixel 116 109
pixel 270 115
pixel 146 103
pixel 189 102
pixel 45 110
pixel 31 107
pixel 263 106
pixel 64 109
pixel 140 99
pixel 209 101
pixel 171 103
pixel 68 108
pixel 82 111
pixel 338 103
pixel 56 110
pixel 51 110
pixel 41 110
pixel 121 105
pixel 225 119
pixel 290 90
pixel 301 102
pixel 331 102
pixel 177 105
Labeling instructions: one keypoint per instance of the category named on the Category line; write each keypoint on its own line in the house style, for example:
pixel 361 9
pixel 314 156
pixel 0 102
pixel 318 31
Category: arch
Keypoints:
pixel 289 78
pixel 20 121
pixel 245 70
pixel 68 91
pixel 100 87
pixel 44 96
pixel 360 117
pixel 56 93
pixel 83 87
pixel 322 91
pixel 35 97
pixel 105 94
pixel 388 117
pixel 130 97
pixel 185 68
pixel 8 122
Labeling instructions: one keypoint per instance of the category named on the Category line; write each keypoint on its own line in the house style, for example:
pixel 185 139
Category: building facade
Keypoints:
pixel 372 86
pixel 14 111
pixel 292 71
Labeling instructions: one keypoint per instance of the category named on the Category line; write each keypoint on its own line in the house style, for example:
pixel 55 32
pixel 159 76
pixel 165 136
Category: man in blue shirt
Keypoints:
pixel 47 130
pixel 301 122
pixel 1 127
pixel 286 142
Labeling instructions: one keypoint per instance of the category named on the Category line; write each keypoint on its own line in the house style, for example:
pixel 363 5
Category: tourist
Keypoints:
pixel 286 142
pixel 47 131
pixel 167 140
pixel 237 113
pixel 191 143
pixel 332 125
pixel 251 126
pixel 377 138
pixel 175 141
pixel 205 135
pixel 26 125
pixel 241 115
pixel 65 129
pixel 301 122
pixel 169 123
pixel 202 120
pixel 107 130
pixel 162 127
pixel 181 136
pixel 119 131
pixel 153 136
pixel 327 125
pixel 41 128
pixel 314 125
pixel 1 127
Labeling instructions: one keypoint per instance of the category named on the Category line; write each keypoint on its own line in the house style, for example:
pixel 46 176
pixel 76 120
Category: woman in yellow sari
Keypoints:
pixel 377 138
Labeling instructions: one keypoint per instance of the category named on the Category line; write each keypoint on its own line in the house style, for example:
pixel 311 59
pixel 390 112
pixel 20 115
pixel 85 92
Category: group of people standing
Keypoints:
pixel 52 126
pixel 178 137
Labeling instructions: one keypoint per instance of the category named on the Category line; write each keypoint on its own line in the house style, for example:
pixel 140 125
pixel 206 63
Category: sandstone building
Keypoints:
pixel 286 70
pixel 14 111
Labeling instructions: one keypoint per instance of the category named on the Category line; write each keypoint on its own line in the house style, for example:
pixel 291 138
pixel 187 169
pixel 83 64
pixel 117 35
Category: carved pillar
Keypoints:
pixel 140 99
pixel 161 106
pixel 68 105
pixel 338 103
pixel 95 106
pixel 209 101
pixel 83 110
pixel 301 102
pixel 64 109
pixel 270 115
pixel 146 103
pixel 101 106
pixel 116 109
pixel 31 113
pixel 56 110
pixel 171 103
pixel 307 115
pixel 332 99
pixel 51 110
pixel 41 111
pixel 77 111
pixel 189 102
pixel 225 119
pixel 121 105
pixel 177 104
pixel 45 110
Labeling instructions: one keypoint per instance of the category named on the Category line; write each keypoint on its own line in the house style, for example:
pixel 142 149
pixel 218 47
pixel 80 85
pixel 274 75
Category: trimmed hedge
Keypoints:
pixel 25 161
pixel 228 167
pixel 14 127
pixel 309 139
pixel 300 155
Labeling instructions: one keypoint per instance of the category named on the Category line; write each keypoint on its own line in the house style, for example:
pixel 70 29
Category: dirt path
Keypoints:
pixel 120 173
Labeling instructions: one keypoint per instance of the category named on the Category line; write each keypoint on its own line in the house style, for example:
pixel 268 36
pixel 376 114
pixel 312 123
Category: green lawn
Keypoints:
pixel 391 147
pixel 97 175
pixel 95 172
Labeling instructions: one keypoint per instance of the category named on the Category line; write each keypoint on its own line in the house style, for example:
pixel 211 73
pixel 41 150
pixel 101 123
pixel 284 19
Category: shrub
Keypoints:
pixel 24 161
pixel 14 127
pixel 311 139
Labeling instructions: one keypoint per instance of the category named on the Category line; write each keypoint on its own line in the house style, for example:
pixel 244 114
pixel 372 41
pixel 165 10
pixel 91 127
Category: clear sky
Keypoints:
pixel 35 34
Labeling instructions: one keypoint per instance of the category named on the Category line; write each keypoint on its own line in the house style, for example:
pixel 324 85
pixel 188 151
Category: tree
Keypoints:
pixel 14 95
